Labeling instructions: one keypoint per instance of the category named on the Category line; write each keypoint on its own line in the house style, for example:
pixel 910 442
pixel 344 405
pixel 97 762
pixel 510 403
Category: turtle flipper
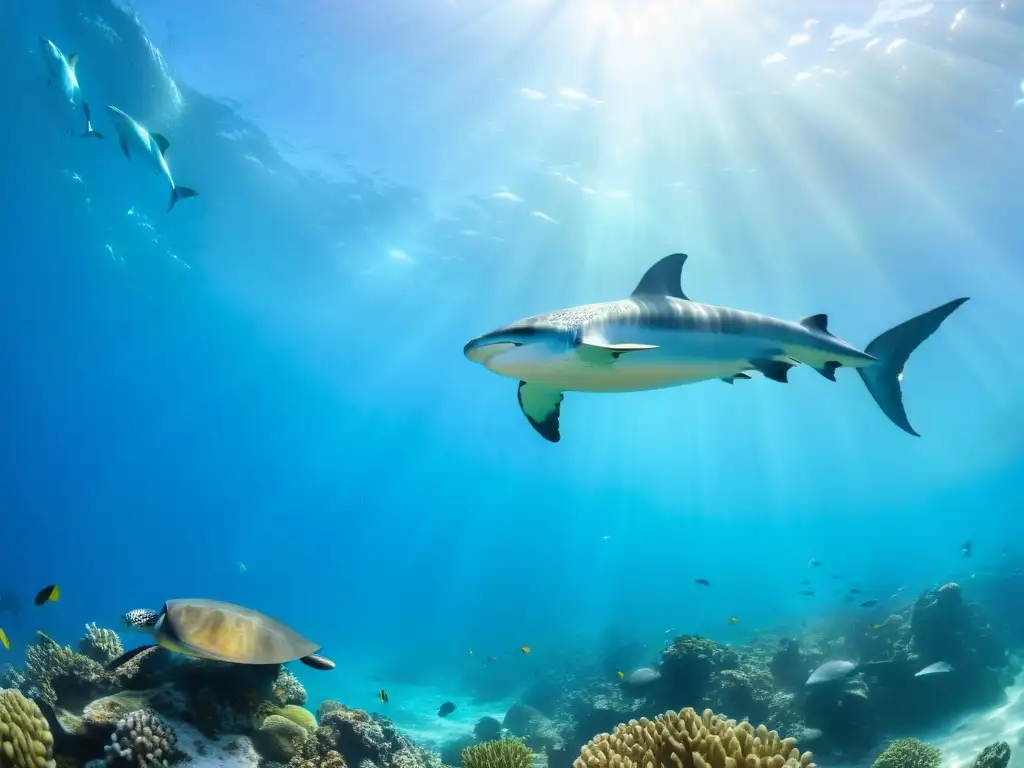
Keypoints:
pixel 317 662
pixel 127 656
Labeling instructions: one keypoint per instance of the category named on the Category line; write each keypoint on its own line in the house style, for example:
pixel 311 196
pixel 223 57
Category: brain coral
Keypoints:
pixel 689 740
pixel 25 738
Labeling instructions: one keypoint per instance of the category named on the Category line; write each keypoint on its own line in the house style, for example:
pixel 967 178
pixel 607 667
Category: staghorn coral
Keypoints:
pixel 500 753
pixel 909 753
pixel 142 739
pixel 100 645
pixel 689 740
pixel 994 756
pixel 25 738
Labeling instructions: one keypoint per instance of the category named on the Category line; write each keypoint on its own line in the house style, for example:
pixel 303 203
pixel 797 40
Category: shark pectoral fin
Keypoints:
pixel 598 353
pixel 732 379
pixel 73 61
pixel 828 370
pixel 161 142
pixel 776 370
pixel 541 406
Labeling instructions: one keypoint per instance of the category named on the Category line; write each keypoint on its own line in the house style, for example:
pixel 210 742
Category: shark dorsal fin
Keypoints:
pixel 73 61
pixel 815 323
pixel 664 278
pixel 161 142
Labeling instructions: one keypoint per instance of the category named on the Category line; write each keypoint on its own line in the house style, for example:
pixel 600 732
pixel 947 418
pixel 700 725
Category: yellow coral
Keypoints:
pixel 299 716
pixel 25 738
pixel 689 740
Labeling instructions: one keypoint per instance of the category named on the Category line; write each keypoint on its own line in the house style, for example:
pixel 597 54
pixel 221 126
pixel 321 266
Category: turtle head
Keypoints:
pixel 141 618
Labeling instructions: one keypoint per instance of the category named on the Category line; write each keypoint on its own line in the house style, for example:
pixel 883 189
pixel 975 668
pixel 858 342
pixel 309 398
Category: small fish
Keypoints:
pixel 4 641
pixel 621 674
pixel 965 548
pixel 446 709
pixel 808 592
pixel 605 538
pixel 470 651
pixel 733 620
pixel 814 562
pixel 854 591
pixel 935 669
pixel 49 594
pixel 877 626
pixel 702 582
pixel 835 576
pixel 383 696
pixel 670 630
pixel 241 566
pixel 492 658
pixel 526 649
pixel 869 603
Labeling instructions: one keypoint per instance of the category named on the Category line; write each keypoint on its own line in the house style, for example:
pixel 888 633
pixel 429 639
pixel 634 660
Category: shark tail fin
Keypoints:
pixel 90 132
pixel 892 350
pixel 180 193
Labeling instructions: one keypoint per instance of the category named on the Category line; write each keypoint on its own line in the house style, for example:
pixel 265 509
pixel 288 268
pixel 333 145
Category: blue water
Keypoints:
pixel 272 374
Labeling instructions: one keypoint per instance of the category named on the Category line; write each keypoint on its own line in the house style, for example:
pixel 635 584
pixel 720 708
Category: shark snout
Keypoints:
pixel 483 348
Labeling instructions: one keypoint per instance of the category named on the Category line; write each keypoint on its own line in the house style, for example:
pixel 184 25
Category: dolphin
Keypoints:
pixel 60 71
pixel 153 145
pixel 659 338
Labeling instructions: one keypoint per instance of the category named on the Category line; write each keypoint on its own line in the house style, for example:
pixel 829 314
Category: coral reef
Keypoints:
pixel 144 740
pixel 499 753
pixel 279 739
pixel 689 662
pixel 534 727
pixel 689 740
pixel 909 753
pixel 25 738
pixel 994 756
pixel 288 690
pixel 100 645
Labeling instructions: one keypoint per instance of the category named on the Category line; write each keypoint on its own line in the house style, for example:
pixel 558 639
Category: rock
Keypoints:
pixel 994 756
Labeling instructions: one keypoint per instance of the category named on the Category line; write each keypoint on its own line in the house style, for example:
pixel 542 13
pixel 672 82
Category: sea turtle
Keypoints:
pixel 211 629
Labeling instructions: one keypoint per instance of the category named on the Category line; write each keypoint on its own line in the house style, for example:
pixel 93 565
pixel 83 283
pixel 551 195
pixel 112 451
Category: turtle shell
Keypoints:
pixel 220 631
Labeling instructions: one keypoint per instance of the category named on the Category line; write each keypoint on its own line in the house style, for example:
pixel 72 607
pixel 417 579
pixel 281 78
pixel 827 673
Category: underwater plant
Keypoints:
pixel 500 753
pixel 909 753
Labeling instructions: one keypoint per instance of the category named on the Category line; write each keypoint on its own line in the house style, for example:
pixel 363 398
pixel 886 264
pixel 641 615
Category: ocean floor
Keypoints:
pixel 1006 723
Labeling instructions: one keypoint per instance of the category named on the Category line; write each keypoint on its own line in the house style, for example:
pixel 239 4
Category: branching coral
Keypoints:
pixel 689 740
pixel 25 738
pixel 142 739
pixel 500 753
pixel 288 689
pixel 909 753
pixel 100 645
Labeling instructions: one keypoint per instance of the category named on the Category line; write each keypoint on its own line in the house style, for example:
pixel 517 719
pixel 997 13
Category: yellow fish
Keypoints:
pixel 876 626
pixel 383 696
pixel 525 649
pixel 4 641
pixel 621 674
pixel 733 620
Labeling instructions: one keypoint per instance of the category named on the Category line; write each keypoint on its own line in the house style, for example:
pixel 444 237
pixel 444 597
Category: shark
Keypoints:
pixel 153 146
pixel 61 72
pixel 659 338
